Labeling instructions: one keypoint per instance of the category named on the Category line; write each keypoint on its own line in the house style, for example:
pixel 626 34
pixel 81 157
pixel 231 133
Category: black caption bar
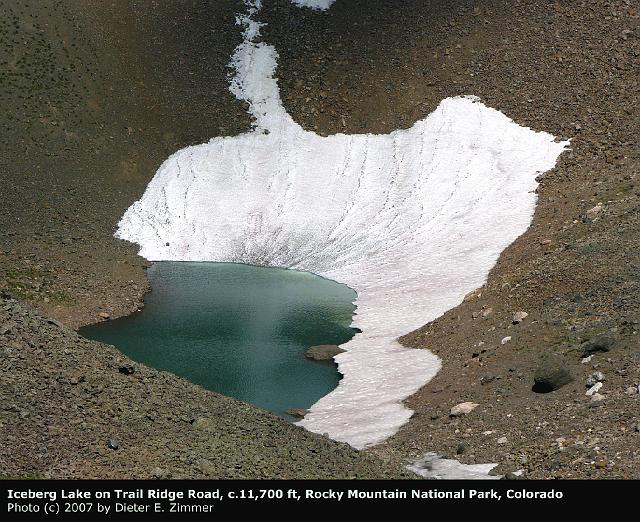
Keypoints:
pixel 108 499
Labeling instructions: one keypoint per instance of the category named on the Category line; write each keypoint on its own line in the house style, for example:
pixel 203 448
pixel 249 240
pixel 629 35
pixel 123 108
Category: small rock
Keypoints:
pixel 600 343
pixel 486 379
pixel 595 378
pixel 113 444
pixel 518 317
pixel 7 327
pixel 127 370
pixel 474 294
pixel 55 323
pixel 505 340
pixel 596 400
pixel 552 374
pixel 515 475
pixel 203 423
pixel 462 448
pixel 593 213
pixel 297 412
pixel 487 312
pixel 323 352
pixel 502 440
pixel 207 467
pixel 586 359
pixel 594 389
pixel 601 463
pixel 462 409
pixel 631 390
pixel 159 473
pixel 104 315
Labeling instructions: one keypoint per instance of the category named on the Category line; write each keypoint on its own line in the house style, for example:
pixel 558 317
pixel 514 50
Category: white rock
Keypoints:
pixel 518 317
pixel 594 389
pixel 505 340
pixel 594 212
pixel 463 408
pixel 586 359
pixel 502 440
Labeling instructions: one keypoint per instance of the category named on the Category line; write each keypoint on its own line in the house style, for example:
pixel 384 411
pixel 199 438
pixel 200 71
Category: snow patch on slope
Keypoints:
pixel 412 220
pixel 433 466
pixel 314 4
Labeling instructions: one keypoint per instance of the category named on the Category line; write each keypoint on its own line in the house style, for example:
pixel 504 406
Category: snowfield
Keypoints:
pixel 412 220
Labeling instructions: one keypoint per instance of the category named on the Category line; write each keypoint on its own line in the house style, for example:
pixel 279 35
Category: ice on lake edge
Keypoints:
pixel 412 221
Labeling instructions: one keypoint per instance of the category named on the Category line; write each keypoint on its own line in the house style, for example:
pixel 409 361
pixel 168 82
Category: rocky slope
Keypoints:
pixel 103 93
pixel 73 408
pixel 569 68
pixel 95 97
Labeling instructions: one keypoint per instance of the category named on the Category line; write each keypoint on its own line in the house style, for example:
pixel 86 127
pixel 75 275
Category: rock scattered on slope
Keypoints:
pixel 518 317
pixel 600 343
pixel 594 389
pixel 552 374
pixel 593 213
pixel 462 409
pixel 595 378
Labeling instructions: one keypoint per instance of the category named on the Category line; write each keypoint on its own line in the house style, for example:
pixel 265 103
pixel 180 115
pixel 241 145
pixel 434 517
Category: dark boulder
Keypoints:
pixel 600 343
pixel 552 374
pixel 323 352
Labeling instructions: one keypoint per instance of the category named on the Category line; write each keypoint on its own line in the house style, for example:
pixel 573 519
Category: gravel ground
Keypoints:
pixel 103 93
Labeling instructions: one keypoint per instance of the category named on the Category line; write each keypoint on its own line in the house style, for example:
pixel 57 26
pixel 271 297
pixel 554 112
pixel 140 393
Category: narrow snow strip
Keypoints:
pixel 314 4
pixel 412 220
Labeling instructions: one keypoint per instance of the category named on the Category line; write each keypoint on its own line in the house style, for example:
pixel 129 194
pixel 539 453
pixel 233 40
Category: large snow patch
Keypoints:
pixel 412 220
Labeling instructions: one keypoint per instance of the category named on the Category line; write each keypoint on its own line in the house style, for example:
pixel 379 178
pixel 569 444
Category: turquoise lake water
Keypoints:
pixel 238 330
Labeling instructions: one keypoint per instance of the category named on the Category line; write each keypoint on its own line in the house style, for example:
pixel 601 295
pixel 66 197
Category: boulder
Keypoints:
pixel 552 374
pixel 600 343
pixel 323 352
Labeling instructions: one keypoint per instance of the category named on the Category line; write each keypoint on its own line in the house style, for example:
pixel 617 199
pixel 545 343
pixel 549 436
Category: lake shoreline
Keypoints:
pixel 563 272
pixel 238 330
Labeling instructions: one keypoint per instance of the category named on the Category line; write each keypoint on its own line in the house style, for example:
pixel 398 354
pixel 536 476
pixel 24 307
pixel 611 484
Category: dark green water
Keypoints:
pixel 239 330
